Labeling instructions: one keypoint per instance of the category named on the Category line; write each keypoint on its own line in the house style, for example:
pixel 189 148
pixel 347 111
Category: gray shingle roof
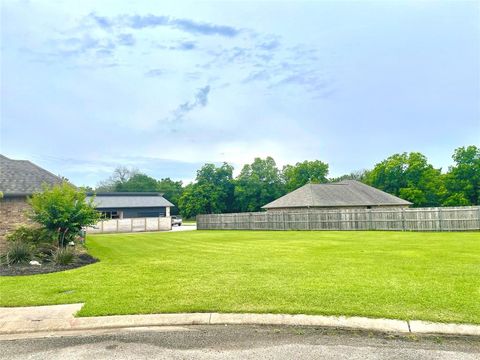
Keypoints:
pixel 21 177
pixel 130 200
pixel 343 193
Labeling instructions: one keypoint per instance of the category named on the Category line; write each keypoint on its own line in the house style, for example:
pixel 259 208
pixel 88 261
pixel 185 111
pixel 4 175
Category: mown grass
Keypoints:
pixel 429 276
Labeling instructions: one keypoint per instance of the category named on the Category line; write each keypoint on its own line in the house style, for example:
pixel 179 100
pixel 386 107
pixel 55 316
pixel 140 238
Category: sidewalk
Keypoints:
pixel 24 320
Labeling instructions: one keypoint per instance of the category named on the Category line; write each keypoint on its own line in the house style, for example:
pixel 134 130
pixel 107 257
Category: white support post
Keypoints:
pixel 440 219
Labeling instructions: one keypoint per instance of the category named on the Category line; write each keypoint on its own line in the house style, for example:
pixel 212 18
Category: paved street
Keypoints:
pixel 238 342
pixel 184 228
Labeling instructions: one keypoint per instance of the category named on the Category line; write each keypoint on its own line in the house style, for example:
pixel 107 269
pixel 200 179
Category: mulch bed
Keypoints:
pixel 27 269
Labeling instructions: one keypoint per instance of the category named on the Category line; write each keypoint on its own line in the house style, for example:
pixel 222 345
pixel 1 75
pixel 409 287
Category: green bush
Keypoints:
pixel 63 256
pixel 18 252
pixel 32 235
pixel 63 210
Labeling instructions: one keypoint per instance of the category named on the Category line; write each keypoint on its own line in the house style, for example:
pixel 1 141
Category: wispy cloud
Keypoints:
pixel 155 73
pixel 126 39
pixel 151 21
pixel 253 57
pixel 200 100
pixel 269 44
pixel 184 45
pixel 102 21
pixel 267 61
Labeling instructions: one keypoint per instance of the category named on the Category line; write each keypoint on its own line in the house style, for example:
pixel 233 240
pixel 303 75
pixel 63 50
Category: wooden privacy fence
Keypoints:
pixel 131 225
pixel 415 219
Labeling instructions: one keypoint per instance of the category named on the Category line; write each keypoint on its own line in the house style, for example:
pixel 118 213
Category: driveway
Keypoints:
pixel 184 228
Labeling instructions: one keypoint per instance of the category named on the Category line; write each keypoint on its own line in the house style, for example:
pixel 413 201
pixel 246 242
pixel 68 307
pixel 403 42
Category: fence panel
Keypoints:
pixel 416 219
pixel 131 225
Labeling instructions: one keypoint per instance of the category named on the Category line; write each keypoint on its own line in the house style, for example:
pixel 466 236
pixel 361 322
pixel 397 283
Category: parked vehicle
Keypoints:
pixel 176 220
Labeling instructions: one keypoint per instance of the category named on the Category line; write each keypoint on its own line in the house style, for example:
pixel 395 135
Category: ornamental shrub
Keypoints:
pixel 64 210
pixel 63 256
pixel 32 235
pixel 18 252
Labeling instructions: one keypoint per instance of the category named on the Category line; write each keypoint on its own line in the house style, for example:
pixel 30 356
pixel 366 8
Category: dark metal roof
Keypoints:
pixel 344 193
pixel 129 200
pixel 23 178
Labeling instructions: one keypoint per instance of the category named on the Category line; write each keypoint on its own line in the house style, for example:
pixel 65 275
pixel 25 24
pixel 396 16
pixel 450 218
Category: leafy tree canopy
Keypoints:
pixel 463 179
pixel 258 184
pixel 120 175
pixel 137 182
pixel 172 190
pixel 358 175
pixel 211 193
pixel 303 173
pixel 409 176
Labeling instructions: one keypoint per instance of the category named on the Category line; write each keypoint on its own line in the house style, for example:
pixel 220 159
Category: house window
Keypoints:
pixel 110 215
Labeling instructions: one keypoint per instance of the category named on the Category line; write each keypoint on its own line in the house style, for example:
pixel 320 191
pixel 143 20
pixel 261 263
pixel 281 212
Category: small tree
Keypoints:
pixel 63 209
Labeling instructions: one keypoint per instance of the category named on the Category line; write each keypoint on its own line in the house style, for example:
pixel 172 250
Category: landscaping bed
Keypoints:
pixel 49 267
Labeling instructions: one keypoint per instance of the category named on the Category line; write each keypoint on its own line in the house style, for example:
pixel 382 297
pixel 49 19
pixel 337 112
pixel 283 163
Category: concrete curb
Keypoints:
pixel 61 318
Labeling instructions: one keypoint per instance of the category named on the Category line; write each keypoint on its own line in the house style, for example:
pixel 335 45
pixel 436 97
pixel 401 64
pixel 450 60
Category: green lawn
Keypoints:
pixel 430 276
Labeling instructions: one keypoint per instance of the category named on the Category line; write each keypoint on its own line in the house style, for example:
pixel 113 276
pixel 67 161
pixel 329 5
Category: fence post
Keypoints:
pixel 440 219
pixel 101 226
pixel 403 219
pixel 283 220
pixel 117 225
pixel 145 224
pixel 479 218
pixel 158 224
pixel 308 220
pixel 131 225
pixel 369 212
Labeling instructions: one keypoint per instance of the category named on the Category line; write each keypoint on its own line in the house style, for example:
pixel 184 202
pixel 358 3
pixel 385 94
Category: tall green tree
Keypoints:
pixel 120 175
pixel 172 191
pixel 138 182
pixel 303 173
pixel 359 175
pixel 211 193
pixel 258 184
pixel 410 177
pixel 463 179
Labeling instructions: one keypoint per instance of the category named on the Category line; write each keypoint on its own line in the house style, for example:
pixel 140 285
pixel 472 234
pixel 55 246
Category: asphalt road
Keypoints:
pixel 239 342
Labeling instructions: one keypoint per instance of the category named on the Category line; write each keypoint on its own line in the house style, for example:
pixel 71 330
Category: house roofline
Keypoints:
pixel 333 206
pixel 17 194
pixel 124 193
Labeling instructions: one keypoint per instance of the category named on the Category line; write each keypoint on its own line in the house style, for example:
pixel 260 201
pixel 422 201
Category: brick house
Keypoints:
pixel 19 179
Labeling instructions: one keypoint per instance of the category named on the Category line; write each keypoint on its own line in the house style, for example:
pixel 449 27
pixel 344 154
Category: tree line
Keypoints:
pixel 215 189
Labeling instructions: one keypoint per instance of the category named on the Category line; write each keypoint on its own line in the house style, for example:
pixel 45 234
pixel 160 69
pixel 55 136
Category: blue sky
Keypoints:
pixel 167 86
